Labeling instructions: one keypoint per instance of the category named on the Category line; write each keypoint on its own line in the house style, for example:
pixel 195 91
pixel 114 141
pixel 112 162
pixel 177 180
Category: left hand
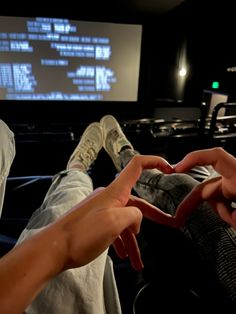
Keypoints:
pixel 112 215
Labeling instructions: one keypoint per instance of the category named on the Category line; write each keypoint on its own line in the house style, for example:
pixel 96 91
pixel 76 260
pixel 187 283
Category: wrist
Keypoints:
pixel 53 246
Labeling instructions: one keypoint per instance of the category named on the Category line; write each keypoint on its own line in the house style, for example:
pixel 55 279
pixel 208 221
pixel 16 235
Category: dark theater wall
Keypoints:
pixel 208 32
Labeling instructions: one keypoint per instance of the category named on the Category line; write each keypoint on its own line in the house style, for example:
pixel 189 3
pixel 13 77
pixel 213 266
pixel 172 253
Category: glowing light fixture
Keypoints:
pixel 215 85
pixel 182 72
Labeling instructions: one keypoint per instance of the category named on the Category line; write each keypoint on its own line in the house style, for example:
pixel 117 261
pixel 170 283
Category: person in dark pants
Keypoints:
pixel 205 247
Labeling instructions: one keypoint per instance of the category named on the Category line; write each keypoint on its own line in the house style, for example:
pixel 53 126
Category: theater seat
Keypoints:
pixel 6 244
pixel 23 195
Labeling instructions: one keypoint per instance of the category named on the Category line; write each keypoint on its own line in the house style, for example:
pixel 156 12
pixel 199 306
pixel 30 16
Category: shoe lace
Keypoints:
pixel 88 153
pixel 115 135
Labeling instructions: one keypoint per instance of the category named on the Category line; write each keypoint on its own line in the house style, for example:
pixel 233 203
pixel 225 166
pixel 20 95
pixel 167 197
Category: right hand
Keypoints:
pixel 220 191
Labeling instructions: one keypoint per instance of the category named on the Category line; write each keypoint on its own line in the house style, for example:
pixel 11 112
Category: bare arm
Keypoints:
pixel 66 243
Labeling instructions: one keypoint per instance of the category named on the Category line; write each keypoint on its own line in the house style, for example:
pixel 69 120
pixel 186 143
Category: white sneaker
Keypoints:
pixel 88 148
pixel 113 139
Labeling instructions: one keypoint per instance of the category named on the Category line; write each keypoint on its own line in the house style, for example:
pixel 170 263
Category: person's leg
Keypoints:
pixel 214 239
pixel 7 154
pixel 116 141
pixel 85 289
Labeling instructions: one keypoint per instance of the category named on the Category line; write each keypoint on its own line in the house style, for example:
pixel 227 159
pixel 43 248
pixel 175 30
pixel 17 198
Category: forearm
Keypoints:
pixel 26 269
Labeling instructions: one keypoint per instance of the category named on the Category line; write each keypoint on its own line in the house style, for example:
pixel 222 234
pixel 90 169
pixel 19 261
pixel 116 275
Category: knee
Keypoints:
pixel 184 180
pixel 6 133
pixel 7 147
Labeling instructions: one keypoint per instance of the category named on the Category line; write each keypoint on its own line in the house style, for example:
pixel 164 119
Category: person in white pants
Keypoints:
pixel 7 154
pixel 60 262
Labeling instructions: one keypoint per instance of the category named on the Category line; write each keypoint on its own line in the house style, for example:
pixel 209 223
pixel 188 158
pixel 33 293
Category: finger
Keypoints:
pixel 125 181
pixel 202 192
pixel 224 210
pixel 119 248
pixel 119 219
pixel 217 157
pixel 234 218
pixel 132 249
pixel 152 212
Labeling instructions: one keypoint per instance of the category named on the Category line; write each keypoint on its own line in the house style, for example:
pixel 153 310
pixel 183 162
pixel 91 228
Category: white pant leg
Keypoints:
pixel 7 154
pixel 83 290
